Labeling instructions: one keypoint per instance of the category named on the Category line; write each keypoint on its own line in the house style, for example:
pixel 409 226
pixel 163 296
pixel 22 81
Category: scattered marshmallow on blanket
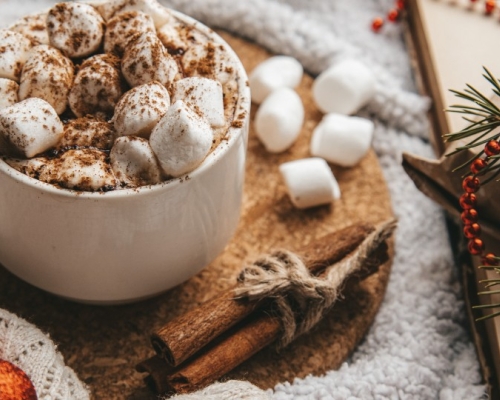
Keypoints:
pixel 8 92
pixel 341 139
pixel 274 73
pixel 74 28
pixel 139 110
pixel 203 96
pixel 181 140
pixel 133 161
pixel 15 48
pixel 310 182
pixel 344 87
pixel 31 126
pixel 279 119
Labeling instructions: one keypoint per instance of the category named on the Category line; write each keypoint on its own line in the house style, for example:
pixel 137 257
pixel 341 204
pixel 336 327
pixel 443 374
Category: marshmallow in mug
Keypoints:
pixel 15 48
pixel 74 28
pixel 133 161
pixel 274 73
pixel 279 120
pixel 139 110
pixel 341 139
pixel 309 182
pixel 344 87
pixel 34 27
pixel 32 126
pixel 47 74
pixel 145 59
pixel 97 86
pixel 109 8
pixel 204 96
pixel 8 92
pixel 181 140
pixel 122 28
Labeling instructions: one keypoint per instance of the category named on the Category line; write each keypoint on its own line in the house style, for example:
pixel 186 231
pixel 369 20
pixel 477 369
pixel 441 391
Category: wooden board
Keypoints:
pixel 453 41
pixel 103 344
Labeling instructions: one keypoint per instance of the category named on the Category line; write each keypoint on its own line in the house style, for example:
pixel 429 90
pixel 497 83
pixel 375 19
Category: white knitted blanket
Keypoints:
pixel 418 346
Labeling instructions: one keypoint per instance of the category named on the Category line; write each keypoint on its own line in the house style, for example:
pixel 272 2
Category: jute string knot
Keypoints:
pixel 301 299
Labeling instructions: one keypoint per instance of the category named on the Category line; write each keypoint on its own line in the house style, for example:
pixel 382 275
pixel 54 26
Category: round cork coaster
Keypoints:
pixel 103 344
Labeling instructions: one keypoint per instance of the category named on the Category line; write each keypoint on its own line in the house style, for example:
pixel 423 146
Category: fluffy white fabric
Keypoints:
pixel 418 346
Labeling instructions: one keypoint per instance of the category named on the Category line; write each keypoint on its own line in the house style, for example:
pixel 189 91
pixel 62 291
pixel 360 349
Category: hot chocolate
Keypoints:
pixel 112 95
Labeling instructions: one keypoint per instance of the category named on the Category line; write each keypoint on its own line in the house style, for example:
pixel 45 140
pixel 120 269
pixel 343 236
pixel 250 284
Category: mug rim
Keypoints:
pixel 232 135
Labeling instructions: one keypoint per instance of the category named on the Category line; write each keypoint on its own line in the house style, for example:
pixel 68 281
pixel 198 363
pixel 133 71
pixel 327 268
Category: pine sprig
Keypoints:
pixel 483 118
pixel 481 130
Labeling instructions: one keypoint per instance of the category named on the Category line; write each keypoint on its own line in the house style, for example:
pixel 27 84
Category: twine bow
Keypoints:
pixel 300 297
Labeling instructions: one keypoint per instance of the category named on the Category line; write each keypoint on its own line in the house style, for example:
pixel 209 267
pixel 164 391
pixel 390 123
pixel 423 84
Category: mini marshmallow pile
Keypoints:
pixel 136 114
pixel 339 138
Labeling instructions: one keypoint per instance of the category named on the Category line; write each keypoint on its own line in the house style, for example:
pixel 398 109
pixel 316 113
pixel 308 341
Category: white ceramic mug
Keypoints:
pixel 129 244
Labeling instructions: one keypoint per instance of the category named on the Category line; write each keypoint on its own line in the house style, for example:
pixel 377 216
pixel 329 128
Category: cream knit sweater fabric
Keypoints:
pixel 419 346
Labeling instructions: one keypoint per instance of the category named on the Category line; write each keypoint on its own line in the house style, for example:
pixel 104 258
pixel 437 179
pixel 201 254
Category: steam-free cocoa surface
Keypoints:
pixel 104 343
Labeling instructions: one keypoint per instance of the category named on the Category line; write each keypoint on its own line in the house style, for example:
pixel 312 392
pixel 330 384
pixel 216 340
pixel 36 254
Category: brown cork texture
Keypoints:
pixel 103 344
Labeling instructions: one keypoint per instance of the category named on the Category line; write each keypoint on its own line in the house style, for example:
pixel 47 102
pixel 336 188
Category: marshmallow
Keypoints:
pixel 341 139
pixel 203 96
pixel 47 74
pixel 181 140
pixel 32 126
pixel 206 59
pixel 33 27
pixel 87 132
pixel 134 162
pixel 279 119
pixel 80 169
pixel 344 88
pixel 8 92
pixel 84 169
pixel 274 73
pixel 175 36
pixel 74 28
pixel 97 87
pixel 309 182
pixel 14 49
pixel 146 59
pixel 140 109
pixel 155 10
pixel 121 29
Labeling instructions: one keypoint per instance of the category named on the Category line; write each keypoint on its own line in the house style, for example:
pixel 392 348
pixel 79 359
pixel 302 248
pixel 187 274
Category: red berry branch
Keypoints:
pixel 484 119
pixel 394 14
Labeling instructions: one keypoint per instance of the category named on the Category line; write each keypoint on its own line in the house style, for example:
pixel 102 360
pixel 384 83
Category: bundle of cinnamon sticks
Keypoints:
pixel 206 343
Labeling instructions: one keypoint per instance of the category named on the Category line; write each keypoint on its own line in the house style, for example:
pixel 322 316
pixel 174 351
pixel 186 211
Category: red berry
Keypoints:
pixel 489 6
pixel 377 24
pixel 400 4
pixel 468 201
pixel 393 15
pixel 470 184
pixel 492 148
pixel 490 259
pixel 476 246
pixel 469 216
pixel 472 231
pixel 478 165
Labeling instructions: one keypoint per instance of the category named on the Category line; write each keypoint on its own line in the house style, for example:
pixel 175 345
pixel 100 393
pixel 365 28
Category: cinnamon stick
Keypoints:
pixel 186 335
pixel 238 344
